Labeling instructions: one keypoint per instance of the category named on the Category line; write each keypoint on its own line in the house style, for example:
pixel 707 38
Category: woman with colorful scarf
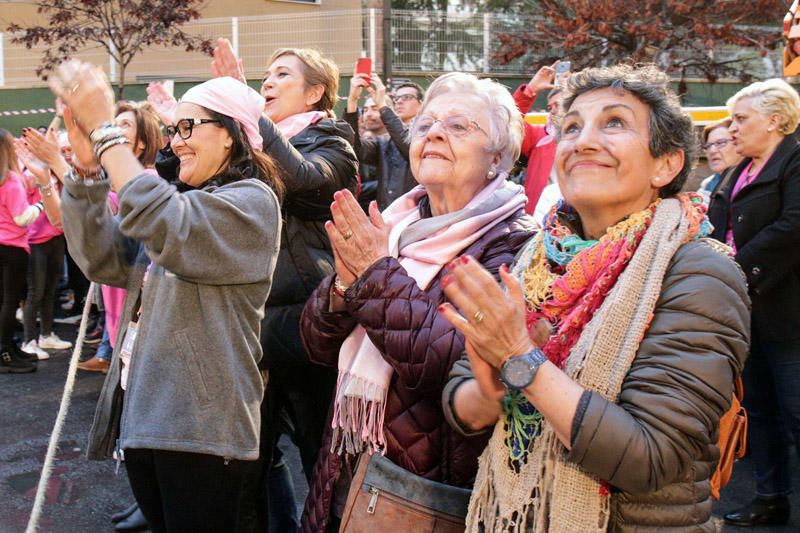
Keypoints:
pixel 376 318
pixel 608 360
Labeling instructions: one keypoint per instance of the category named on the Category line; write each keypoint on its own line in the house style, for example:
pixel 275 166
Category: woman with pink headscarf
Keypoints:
pixel 180 405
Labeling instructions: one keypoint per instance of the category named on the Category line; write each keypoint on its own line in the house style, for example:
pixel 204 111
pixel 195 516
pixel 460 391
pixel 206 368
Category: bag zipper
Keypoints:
pixel 373 501
pixel 119 455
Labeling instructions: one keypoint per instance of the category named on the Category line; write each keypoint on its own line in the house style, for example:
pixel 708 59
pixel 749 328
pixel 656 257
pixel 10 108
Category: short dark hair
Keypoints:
pixel 670 126
pixel 416 86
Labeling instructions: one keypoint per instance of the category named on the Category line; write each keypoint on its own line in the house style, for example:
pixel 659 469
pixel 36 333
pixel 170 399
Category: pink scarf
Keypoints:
pixel 291 126
pixel 364 376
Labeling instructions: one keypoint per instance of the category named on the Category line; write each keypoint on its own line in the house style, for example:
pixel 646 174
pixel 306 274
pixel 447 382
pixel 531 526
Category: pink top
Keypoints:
pixel 41 230
pixel 13 202
pixel 743 181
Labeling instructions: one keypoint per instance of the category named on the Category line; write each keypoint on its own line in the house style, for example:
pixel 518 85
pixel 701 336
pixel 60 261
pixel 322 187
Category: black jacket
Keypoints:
pixel 316 162
pixel 765 217
pixel 380 151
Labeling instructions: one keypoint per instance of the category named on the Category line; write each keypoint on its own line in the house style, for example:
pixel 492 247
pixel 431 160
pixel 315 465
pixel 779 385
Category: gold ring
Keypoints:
pixel 478 316
pixel 347 234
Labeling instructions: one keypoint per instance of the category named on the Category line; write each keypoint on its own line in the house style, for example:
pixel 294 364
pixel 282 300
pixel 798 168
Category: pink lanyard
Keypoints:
pixel 745 180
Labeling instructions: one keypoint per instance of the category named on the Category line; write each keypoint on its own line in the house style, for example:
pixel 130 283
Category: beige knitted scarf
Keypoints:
pixel 549 493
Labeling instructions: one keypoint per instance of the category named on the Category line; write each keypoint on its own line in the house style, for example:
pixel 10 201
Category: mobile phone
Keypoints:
pixel 364 66
pixel 562 70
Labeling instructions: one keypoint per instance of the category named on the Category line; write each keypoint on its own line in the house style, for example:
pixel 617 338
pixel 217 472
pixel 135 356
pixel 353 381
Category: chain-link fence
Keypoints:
pixel 421 42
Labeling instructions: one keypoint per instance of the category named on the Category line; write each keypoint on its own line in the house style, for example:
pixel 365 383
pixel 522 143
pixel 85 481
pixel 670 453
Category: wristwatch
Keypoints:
pixel 518 372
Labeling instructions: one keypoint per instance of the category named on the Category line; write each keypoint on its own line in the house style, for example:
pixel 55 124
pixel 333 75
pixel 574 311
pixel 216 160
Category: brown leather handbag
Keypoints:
pixel 384 497
pixel 732 440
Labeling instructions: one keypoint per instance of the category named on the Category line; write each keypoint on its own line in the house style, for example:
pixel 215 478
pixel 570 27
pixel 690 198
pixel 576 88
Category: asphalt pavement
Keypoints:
pixel 82 494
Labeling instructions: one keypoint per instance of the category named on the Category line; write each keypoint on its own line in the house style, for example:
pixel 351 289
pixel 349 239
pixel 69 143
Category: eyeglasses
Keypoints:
pixel 185 126
pixel 720 144
pixel 454 125
pixel 405 98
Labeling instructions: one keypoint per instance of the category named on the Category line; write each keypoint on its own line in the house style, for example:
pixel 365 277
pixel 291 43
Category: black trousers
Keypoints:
pixel 13 270
pixel 44 269
pixel 187 492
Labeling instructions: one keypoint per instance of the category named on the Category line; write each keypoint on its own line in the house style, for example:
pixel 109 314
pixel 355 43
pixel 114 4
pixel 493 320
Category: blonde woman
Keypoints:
pixel 757 212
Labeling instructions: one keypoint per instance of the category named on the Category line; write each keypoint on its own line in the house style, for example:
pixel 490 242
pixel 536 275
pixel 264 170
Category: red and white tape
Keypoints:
pixel 27 112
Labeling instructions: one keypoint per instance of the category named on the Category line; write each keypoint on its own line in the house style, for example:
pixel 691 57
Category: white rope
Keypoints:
pixel 47 468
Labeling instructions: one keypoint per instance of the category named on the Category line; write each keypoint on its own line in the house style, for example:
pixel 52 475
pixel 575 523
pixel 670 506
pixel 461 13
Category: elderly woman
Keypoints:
pixel 197 267
pixel 720 153
pixel 606 365
pixel 376 318
pixel 756 210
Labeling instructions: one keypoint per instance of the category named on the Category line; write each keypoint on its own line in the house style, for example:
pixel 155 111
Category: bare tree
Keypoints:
pixel 122 27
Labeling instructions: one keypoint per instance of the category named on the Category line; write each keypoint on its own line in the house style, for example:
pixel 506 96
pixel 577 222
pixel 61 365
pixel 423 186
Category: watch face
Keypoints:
pixel 518 372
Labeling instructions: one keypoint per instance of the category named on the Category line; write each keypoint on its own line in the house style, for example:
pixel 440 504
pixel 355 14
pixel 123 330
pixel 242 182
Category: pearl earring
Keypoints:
pixel 657 179
pixel 769 129
pixel 227 146
pixel 490 174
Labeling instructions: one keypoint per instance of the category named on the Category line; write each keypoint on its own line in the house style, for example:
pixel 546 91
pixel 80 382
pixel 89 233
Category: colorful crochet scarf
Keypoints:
pixel 567 279
pixel 600 297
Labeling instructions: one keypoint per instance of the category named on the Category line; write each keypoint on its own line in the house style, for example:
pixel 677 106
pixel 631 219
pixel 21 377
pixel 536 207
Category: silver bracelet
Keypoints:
pixel 99 149
pixel 45 190
pixel 104 132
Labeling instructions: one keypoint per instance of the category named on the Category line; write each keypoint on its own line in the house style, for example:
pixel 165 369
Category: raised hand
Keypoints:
pixel 378 94
pixel 43 147
pixel 82 153
pixel 85 89
pixel 358 240
pixel 35 166
pixel 544 79
pixel 162 101
pixel 491 319
pixel 225 62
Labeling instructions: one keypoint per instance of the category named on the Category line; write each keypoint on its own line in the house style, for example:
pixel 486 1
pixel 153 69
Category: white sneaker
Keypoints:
pixel 32 348
pixel 52 342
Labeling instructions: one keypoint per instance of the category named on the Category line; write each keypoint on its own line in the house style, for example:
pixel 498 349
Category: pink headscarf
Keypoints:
pixel 234 99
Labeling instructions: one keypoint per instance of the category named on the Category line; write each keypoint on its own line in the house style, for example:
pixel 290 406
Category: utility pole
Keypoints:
pixel 387 43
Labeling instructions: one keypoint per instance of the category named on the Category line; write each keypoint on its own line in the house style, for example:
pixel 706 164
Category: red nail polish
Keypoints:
pixel 441 308
pixel 504 268
pixel 452 265
pixel 447 280
pixel 333 205
pixel 464 259
pixel 337 195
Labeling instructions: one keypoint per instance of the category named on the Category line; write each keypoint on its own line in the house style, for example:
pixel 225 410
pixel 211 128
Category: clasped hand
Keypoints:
pixel 357 240
pixel 492 319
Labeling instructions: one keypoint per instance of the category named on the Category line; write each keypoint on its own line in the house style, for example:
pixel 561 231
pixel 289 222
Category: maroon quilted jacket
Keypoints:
pixel 403 322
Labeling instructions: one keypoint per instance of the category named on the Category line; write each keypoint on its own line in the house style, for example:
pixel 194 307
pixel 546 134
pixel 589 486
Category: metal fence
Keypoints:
pixel 422 42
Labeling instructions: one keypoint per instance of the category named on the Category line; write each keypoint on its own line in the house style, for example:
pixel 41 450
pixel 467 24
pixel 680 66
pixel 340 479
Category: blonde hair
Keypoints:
pixel 724 123
pixel 317 70
pixel 8 156
pixel 505 121
pixel 769 97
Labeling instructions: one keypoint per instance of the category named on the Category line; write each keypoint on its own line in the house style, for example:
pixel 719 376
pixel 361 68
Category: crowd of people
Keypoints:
pixel 463 321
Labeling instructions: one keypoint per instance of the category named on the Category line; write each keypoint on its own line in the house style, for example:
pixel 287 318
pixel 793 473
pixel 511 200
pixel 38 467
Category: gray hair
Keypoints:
pixel 505 120
pixel 773 96
pixel 670 126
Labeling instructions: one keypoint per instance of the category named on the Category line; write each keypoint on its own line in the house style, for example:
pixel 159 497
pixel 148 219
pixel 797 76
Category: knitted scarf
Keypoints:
pixel 600 297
